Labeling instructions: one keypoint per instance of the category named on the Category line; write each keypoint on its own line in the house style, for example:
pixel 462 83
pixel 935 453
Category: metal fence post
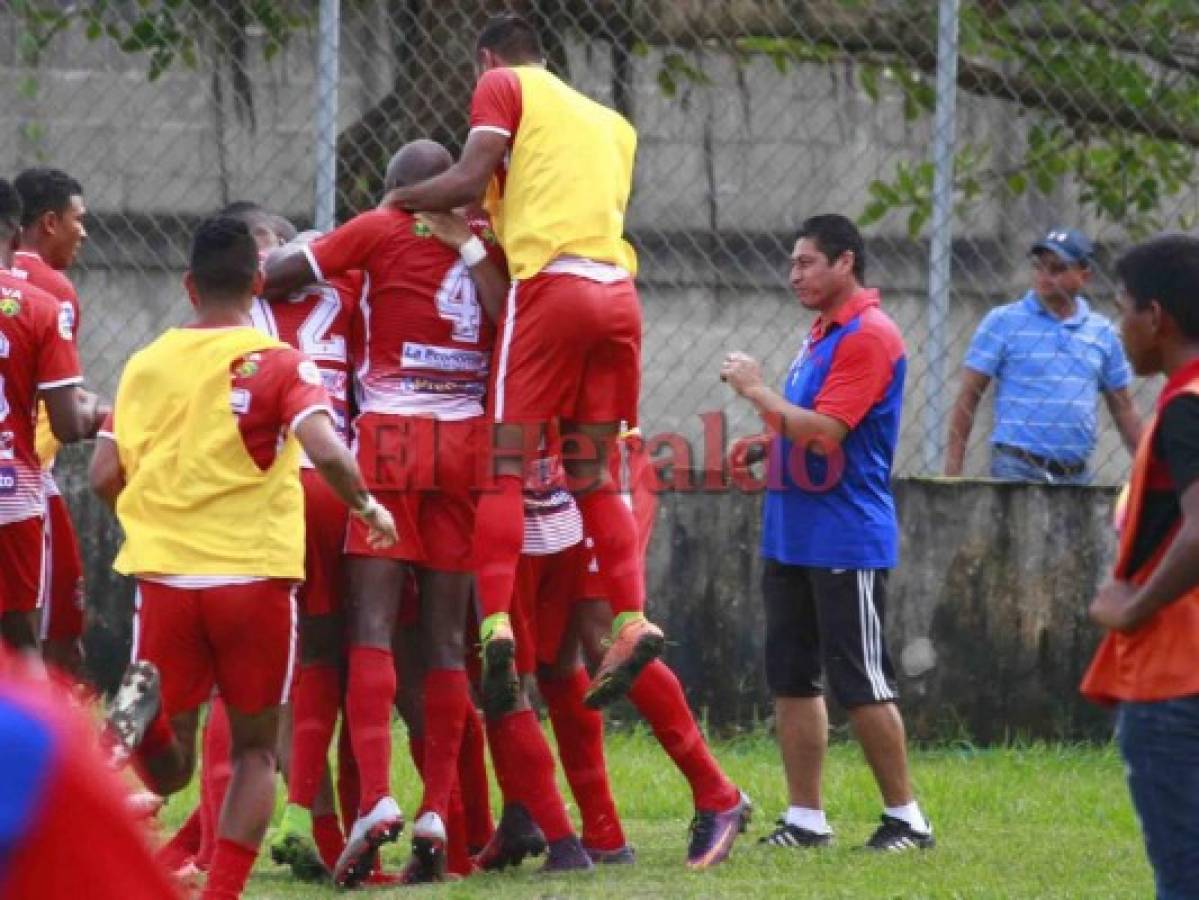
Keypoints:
pixel 326 114
pixel 941 244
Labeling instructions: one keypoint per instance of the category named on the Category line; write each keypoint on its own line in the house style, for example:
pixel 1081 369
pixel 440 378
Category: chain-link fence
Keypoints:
pixel 752 115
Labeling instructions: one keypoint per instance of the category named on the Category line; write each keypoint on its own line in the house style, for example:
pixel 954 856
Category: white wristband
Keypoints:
pixel 473 252
pixel 367 508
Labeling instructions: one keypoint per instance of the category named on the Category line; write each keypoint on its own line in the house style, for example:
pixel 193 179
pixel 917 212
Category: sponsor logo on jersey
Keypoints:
pixel 10 306
pixel 420 229
pixel 239 401
pixel 309 373
pixel 445 359
pixel 7 445
pixel 445 386
pixel 66 321
pixel 247 366
pixel 8 481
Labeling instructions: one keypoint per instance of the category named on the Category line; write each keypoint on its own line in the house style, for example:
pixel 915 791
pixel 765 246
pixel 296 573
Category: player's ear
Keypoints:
pixel 189 285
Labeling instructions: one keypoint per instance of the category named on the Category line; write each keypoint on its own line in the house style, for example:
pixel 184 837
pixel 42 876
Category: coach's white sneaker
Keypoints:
pixel 380 826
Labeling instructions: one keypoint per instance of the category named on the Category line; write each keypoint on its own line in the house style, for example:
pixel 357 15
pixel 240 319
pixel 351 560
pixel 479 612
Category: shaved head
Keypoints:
pixel 416 161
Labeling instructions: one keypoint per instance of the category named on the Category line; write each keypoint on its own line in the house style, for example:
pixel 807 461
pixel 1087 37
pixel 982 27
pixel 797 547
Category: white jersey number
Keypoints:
pixel 458 303
pixel 313 334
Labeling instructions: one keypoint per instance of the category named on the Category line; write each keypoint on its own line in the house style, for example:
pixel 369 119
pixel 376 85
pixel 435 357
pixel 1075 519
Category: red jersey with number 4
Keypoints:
pixel 317 321
pixel 36 353
pixel 425 341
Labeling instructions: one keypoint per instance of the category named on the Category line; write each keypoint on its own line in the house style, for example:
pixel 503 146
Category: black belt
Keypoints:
pixel 1051 466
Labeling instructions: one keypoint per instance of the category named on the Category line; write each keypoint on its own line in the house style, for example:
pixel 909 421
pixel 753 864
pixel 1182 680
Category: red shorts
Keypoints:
pixel 62 583
pixel 239 638
pixel 21 547
pixel 425 472
pixel 547 589
pixel 325 518
pixel 569 347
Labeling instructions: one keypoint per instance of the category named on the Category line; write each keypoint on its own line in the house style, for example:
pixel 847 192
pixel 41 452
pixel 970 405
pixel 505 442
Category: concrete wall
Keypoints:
pixel 986 613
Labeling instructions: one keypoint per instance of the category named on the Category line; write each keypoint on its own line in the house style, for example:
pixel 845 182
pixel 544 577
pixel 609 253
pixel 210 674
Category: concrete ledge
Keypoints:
pixel 986 612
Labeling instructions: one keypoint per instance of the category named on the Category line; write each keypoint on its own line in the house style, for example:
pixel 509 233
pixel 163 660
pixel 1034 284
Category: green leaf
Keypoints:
pixel 1017 183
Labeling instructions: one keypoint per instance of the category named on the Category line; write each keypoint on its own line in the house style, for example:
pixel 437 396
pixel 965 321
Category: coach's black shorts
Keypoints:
pixel 830 619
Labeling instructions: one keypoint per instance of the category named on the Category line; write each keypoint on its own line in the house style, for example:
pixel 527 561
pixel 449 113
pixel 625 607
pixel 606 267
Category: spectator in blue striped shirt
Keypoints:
pixel 1051 356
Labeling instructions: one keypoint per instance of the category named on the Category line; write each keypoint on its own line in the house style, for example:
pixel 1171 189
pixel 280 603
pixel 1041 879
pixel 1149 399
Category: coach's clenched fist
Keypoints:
pixel 742 372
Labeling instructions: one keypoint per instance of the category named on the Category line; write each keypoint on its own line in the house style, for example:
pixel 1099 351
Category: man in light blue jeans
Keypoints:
pixel 1051 357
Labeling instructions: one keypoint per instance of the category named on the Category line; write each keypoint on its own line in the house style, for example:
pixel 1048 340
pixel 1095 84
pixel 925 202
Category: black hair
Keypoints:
pixel 833 235
pixel 10 209
pixel 239 209
pixel 283 227
pixel 1165 269
pixel 510 36
pixel 224 258
pixel 45 190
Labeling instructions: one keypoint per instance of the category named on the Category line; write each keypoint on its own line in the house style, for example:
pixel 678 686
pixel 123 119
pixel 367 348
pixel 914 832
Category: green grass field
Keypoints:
pixel 1039 821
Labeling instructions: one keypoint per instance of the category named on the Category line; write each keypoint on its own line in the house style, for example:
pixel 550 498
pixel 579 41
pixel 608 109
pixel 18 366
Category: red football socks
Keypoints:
pixel 231 865
pixel 580 734
pixel 347 778
pixel 315 704
pixel 610 524
pixel 525 769
pixel 369 699
pixel 183 845
pixel 658 696
pixel 472 778
pixel 330 842
pixel 499 536
pixel 216 770
pixel 447 697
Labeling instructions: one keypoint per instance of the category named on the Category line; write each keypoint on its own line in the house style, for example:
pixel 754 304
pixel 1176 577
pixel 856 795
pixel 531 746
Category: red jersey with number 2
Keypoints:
pixel 317 321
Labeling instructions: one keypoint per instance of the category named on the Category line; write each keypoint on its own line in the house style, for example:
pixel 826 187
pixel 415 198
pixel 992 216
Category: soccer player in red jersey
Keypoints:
pixel 316 320
pixel 557 168
pixel 420 383
pixel 203 474
pixel 52 780
pixel 559 588
pixel 52 231
pixel 37 359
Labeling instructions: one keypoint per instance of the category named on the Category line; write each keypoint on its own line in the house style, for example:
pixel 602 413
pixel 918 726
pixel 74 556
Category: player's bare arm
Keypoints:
pixel 961 419
pixel 1122 606
pixel 743 374
pixel 461 184
pixel 453 231
pixel 287 269
pixel 105 475
pixel 75 414
pixel 1124 414
pixel 337 466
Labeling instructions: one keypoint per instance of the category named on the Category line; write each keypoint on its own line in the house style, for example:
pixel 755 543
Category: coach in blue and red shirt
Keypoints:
pixel 829 534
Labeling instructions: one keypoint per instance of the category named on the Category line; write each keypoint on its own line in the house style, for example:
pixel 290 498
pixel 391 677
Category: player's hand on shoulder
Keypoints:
pixel 449 228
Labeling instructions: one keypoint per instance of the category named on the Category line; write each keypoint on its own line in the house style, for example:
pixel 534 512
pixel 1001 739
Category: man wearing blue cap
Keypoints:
pixel 1051 356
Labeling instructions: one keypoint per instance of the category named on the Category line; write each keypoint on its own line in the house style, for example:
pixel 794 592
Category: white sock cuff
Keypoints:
pixel 808 819
pixel 910 813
